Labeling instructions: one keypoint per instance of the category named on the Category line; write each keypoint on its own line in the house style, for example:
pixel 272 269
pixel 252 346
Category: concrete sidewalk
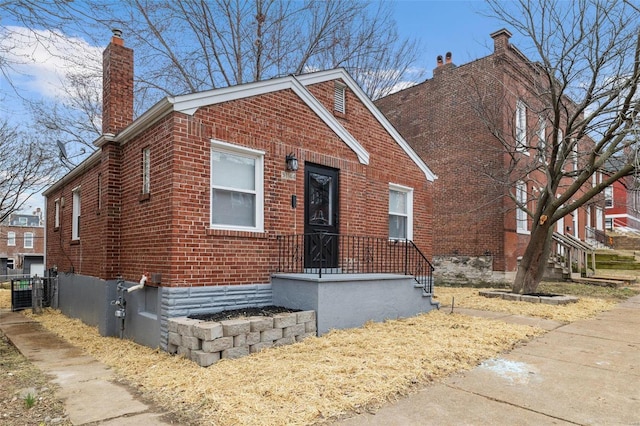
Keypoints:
pixel 86 386
pixel 585 373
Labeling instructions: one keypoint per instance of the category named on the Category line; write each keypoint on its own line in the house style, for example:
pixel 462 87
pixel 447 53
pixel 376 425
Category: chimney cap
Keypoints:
pixel 117 32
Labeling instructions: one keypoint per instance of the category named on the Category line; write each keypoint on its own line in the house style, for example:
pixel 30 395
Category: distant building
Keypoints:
pixel 22 244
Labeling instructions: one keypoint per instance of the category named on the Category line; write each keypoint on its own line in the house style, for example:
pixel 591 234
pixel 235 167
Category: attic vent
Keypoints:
pixel 339 97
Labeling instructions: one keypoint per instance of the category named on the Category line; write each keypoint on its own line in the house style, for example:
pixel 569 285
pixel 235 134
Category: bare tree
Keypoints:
pixel 585 81
pixel 191 45
pixel 25 168
pixel 185 46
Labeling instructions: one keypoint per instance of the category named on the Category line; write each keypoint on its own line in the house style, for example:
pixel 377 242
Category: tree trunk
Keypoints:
pixel 532 265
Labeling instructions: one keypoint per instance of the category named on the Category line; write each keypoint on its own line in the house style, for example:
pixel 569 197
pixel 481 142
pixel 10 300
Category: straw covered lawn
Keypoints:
pixel 320 379
pixel 586 307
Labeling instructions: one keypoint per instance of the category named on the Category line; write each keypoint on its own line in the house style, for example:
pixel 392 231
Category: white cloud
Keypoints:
pixel 40 60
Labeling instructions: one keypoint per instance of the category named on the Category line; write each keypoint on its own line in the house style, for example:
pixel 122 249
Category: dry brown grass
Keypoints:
pixel 324 378
pixel 315 380
pixel 586 307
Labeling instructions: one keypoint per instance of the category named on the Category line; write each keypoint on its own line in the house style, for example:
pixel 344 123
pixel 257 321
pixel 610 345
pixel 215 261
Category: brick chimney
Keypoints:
pixel 442 67
pixel 500 41
pixel 117 85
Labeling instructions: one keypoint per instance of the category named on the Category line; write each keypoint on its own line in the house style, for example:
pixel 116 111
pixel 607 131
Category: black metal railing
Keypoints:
pixel 326 253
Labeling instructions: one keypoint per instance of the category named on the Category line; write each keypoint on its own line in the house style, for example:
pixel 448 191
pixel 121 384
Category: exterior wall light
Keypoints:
pixel 292 162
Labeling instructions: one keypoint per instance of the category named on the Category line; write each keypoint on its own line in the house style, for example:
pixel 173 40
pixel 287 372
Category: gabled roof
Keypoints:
pixel 189 104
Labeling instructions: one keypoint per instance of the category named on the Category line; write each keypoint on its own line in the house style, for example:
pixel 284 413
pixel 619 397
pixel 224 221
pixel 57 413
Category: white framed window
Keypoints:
pixel 237 189
pixel 28 240
pixel 574 154
pixel 521 126
pixel 11 238
pixel 75 214
pixel 608 196
pixel 400 212
pixel 56 215
pixel 22 221
pixel 339 97
pixel 146 170
pixel 522 220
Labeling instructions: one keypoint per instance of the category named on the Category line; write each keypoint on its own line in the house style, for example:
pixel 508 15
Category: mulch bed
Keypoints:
pixel 264 311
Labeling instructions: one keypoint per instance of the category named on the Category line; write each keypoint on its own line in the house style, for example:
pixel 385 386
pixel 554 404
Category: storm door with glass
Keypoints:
pixel 321 217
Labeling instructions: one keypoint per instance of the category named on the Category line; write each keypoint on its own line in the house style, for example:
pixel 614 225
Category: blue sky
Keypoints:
pixel 447 26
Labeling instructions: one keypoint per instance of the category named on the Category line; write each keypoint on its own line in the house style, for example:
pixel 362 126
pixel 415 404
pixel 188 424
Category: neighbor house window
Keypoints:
pixel 75 215
pixel 56 216
pixel 542 134
pixel 22 221
pixel 608 196
pixel 11 238
pixel 237 193
pixel 521 214
pixel 574 154
pixel 521 126
pixel 339 92
pixel 28 240
pixel 400 212
pixel 146 170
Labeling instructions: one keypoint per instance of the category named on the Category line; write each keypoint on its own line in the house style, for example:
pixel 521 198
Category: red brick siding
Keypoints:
pixel 438 118
pixel 169 233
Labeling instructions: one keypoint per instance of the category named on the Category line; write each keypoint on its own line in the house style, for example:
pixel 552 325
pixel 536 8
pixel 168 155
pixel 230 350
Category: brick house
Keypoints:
pixel 622 202
pixel 198 193
pixel 479 234
pixel 22 244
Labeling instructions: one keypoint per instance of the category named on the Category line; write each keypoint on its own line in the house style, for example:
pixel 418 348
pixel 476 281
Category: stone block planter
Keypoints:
pixel 206 342
pixel 549 299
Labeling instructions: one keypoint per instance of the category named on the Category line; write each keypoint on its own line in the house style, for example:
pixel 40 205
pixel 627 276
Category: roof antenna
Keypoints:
pixel 64 158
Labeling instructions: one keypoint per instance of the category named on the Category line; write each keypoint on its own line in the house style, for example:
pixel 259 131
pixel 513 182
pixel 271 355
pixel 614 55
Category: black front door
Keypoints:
pixel 320 217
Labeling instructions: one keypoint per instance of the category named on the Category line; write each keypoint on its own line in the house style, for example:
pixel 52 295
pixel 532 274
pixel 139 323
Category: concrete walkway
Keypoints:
pixel 584 373
pixel 86 386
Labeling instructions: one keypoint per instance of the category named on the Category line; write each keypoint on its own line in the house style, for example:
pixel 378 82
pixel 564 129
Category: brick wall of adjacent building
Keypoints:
pixel 452 121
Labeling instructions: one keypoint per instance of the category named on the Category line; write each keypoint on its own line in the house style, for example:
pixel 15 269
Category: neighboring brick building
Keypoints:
pixel 22 244
pixel 622 202
pixel 452 121
pixel 196 191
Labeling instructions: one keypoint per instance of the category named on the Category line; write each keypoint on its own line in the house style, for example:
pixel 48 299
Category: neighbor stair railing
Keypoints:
pixel 348 254
pixel 573 251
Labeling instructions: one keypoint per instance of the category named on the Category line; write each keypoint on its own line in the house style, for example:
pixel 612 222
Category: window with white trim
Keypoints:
pixel 521 126
pixel 146 170
pixel 11 238
pixel 339 97
pixel 237 192
pixel 56 215
pixel 28 240
pixel 522 220
pixel 400 212
pixel 75 214
pixel 608 196
pixel 574 154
